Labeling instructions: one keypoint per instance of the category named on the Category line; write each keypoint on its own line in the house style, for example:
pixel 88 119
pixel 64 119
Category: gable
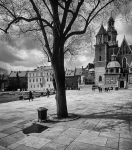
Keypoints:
pixel 125 48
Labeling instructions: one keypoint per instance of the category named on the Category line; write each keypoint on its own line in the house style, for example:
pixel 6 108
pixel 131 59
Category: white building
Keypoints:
pixel 40 79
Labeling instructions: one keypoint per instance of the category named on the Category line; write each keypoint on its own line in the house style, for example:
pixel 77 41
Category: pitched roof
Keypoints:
pixel 13 74
pixel 78 71
pixel 101 30
pixel 130 46
pixel 69 73
pixel 22 73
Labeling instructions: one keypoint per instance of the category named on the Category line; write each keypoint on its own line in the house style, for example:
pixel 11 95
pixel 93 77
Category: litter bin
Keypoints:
pixel 42 113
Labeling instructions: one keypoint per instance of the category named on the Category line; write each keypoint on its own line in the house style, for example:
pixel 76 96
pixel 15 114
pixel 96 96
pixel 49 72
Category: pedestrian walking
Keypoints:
pixel 30 96
pixel 47 92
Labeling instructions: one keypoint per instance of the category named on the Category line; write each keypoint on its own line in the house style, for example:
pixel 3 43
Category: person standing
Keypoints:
pixel 30 96
pixel 47 92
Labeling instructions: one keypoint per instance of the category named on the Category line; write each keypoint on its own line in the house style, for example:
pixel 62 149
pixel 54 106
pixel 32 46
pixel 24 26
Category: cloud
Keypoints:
pixel 7 54
pixel 123 29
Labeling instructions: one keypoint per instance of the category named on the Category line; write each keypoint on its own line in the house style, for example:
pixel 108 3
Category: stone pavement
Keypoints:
pixel 105 123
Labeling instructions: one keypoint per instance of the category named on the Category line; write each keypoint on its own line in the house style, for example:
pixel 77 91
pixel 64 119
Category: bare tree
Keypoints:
pixel 54 22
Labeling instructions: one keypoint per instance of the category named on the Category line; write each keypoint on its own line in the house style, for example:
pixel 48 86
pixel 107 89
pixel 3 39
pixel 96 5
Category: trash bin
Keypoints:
pixel 42 113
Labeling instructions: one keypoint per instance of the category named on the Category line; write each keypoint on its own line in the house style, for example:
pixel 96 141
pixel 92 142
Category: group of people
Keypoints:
pixel 31 94
pixel 106 89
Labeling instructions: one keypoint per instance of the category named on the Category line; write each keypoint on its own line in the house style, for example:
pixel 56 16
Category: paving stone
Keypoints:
pixel 87 126
pixel 126 136
pixel 49 135
pixel 13 146
pixel 91 138
pixel 6 141
pixel 109 135
pixel 11 130
pixel 72 132
pixel 3 148
pixel 34 142
pixel 125 144
pixel 95 147
pixel 79 146
pixel 112 143
pixel 58 128
pixel 2 135
pixel 53 146
pixel 23 147
pixel 18 135
pixel 64 139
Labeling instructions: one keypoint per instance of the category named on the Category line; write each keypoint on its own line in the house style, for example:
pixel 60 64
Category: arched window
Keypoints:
pixel 124 62
pixel 99 58
pixel 100 78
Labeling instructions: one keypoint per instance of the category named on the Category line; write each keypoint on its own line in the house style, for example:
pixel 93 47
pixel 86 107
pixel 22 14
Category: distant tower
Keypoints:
pixel 112 33
pixel 100 55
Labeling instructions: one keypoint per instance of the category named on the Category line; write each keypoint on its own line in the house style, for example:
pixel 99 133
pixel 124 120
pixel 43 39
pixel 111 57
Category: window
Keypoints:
pixel 99 58
pixel 111 70
pixel 33 80
pixel 31 85
pixel 109 38
pixel 29 80
pixel 117 70
pixel 34 86
pixel 36 80
pixel 100 49
pixel 124 62
pixel 100 78
pixel 38 85
pixel 40 79
pixel 47 79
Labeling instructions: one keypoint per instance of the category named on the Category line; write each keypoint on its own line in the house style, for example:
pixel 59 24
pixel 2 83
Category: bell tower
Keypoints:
pixel 112 33
pixel 100 60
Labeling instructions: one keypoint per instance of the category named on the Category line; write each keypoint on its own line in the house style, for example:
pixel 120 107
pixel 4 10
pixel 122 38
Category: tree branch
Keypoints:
pixel 63 23
pixel 42 28
pixel 89 19
pixel 74 17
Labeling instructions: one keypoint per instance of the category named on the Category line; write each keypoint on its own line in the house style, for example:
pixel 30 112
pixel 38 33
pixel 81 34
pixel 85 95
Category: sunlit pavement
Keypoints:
pixel 105 123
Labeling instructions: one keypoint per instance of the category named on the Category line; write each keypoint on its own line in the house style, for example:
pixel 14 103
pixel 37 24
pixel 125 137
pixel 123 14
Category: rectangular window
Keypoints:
pixel 47 79
pixel 29 80
pixel 36 80
pixel 33 80
pixel 40 79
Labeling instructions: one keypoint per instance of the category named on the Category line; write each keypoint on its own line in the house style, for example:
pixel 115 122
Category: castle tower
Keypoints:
pixel 100 55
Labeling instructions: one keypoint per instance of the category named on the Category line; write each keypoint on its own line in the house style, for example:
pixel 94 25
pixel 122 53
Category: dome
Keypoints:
pixel 130 65
pixel 113 64
pixel 91 70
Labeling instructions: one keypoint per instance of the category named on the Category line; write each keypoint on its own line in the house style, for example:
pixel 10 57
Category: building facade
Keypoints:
pixel 40 79
pixel 113 64
pixel 18 80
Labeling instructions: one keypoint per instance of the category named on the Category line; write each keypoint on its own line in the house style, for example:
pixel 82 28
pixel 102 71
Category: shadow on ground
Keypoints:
pixel 121 115
pixel 34 128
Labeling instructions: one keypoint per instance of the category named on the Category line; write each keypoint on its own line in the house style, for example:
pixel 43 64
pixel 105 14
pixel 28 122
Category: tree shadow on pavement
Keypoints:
pixel 118 116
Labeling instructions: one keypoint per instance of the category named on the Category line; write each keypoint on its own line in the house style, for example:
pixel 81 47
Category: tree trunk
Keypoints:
pixel 59 74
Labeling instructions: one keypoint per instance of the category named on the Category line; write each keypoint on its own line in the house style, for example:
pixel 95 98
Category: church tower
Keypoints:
pixel 111 38
pixel 105 43
pixel 112 33
pixel 100 60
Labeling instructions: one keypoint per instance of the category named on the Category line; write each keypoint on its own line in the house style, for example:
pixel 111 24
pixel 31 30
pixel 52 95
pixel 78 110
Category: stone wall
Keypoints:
pixel 99 71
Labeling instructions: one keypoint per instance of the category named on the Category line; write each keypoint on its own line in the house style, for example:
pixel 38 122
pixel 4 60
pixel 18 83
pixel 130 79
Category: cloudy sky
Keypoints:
pixel 24 54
